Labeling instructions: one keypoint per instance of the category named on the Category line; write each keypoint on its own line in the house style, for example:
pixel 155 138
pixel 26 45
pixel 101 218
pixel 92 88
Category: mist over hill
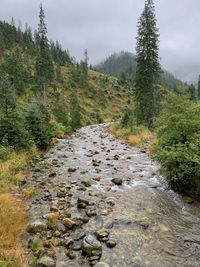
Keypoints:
pixel 124 62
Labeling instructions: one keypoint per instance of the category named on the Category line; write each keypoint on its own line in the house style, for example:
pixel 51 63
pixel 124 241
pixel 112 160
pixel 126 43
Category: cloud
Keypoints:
pixel 107 26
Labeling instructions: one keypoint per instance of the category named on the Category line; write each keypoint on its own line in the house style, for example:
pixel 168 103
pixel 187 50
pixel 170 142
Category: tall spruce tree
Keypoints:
pixel 44 70
pixel 148 66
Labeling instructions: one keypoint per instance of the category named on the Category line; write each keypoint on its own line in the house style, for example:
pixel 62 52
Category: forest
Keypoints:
pixel 46 96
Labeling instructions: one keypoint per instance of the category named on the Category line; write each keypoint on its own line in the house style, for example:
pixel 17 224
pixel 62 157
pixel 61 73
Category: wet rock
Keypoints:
pixel 67 242
pixel 72 169
pixel 117 181
pixel 91 246
pixel 54 208
pixel 110 202
pixel 102 264
pixel 97 179
pixel 83 200
pixel 116 157
pixel 111 243
pixel 36 227
pixel 70 255
pixel 91 212
pixel 68 223
pixel 46 261
pixel 61 228
pixel 144 225
pixel 52 174
pixel 79 236
pixel 102 233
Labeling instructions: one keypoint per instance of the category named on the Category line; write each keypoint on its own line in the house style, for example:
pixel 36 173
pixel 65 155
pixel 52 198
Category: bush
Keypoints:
pixel 178 146
pixel 37 121
pixel 128 118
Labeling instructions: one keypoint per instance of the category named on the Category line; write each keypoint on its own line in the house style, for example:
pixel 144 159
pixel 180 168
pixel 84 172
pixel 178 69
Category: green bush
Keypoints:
pixel 37 121
pixel 128 118
pixel 178 146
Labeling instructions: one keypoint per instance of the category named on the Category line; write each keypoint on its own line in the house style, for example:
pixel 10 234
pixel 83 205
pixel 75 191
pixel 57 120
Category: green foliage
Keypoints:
pixel 37 121
pixel 148 66
pixel 192 92
pixel 128 119
pixel 97 116
pixel 75 111
pixel 44 69
pixel 13 66
pixel 178 146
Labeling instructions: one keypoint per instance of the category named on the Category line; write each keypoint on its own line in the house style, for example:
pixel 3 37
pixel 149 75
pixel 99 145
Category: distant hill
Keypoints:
pixel 122 63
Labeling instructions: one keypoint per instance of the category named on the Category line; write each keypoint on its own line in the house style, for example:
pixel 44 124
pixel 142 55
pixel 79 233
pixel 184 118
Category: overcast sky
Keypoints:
pixel 107 26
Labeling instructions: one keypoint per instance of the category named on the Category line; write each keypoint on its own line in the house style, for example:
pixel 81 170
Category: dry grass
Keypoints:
pixel 107 120
pixel 12 220
pixel 11 170
pixel 12 210
pixel 135 135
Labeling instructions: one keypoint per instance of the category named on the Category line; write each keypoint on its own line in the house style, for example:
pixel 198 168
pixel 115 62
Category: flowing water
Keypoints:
pixel 152 225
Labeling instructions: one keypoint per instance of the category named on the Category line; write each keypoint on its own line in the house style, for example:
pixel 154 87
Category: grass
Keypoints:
pixel 12 221
pixel 12 210
pixel 135 135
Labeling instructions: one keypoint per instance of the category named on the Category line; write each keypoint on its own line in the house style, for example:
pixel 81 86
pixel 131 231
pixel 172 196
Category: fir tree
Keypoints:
pixel 75 111
pixel 44 65
pixel 198 89
pixel 148 66
pixel 192 91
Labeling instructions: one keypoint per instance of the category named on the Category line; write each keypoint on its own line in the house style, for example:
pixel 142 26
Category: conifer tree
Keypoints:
pixel 198 89
pixel 44 69
pixel 192 92
pixel 148 66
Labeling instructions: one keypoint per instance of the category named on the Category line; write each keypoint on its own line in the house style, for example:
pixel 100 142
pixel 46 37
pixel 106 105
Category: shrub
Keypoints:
pixel 178 146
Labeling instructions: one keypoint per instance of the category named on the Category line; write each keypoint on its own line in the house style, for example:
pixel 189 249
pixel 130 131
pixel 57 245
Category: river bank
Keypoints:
pixel 92 188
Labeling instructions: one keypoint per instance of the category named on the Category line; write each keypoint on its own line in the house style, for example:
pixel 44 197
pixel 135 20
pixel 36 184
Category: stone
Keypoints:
pixel 102 264
pixel 46 261
pixel 61 228
pixel 68 242
pixel 97 179
pixel 91 246
pixel 36 227
pixel 71 169
pixel 117 181
pixel 68 223
pixel 111 243
pixel 102 233
pixel 83 200
pixel 52 174
pixel 110 202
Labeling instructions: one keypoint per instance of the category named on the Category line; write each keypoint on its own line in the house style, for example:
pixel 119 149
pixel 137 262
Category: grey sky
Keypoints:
pixel 107 26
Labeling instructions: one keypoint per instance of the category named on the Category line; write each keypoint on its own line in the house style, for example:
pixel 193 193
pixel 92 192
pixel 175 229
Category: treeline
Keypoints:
pixel 11 36
pixel 173 114
pixel 124 65
pixel 30 66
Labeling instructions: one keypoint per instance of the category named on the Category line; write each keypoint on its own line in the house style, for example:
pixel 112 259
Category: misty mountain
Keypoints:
pixel 125 63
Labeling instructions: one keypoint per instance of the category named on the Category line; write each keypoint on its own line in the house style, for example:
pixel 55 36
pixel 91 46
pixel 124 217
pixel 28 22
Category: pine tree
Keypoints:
pixel 44 70
pixel 75 111
pixel 192 92
pixel 198 89
pixel 148 66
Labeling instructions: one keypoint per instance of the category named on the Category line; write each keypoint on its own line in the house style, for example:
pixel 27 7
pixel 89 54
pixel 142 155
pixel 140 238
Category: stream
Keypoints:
pixel 150 224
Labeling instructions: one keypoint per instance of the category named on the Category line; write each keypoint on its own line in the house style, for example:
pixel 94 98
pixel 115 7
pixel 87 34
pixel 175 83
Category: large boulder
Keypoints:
pixel 91 246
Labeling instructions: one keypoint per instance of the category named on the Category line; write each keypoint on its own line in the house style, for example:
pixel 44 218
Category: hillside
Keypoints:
pixel 122 63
